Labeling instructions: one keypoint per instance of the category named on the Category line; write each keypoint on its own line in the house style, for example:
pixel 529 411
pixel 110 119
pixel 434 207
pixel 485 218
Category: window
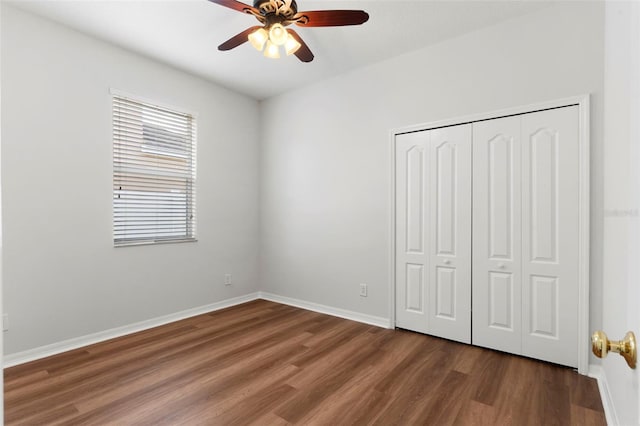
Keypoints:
pixel 154 173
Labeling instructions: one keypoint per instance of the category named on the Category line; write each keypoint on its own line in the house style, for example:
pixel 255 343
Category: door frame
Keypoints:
pixel 583 103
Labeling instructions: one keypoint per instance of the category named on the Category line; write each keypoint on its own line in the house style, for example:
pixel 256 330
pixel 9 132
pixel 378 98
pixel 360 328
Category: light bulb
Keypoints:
pixel 258 38
pixel 272 50
pixel 292 45
pixel 277 34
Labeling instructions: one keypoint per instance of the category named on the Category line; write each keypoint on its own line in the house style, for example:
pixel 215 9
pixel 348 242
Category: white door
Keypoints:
pixel 525 235
pixel 620 303
pixel 411 231
pixel 497 266
pixel 433 231
pixel 550 212
pixel 449 244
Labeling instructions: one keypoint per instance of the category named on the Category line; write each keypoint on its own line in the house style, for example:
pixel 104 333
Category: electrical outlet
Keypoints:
pixel 227 279
pixel 5 322
pixel 363 290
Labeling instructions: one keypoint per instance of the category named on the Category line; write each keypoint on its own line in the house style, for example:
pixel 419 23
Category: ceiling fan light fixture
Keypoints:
pixel 291 46
pixel 258 38
pixel 272 50
pixel 278 34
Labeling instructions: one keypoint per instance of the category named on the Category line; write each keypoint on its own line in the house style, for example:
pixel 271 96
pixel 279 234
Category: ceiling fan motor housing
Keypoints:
pixel 270 7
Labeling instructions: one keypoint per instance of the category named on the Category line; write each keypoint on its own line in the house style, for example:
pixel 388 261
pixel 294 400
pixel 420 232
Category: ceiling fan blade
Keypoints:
pixel 303 53
pixel 238 39
pixel 331 18
pixel 235 5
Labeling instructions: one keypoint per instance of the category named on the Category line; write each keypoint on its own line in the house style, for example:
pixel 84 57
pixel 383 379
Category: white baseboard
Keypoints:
pixel 78 342
pixel 90 339
pixel 329 310
pixel 598 373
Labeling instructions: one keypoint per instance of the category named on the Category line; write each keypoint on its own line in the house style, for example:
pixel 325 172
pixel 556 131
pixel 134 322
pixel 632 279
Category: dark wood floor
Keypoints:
pixel 268 364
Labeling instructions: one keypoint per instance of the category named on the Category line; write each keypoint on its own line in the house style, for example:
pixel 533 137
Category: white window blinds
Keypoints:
pixel 154 173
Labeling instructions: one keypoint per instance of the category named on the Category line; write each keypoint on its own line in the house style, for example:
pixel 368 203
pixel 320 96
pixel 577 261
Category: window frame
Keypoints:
pixel 190 195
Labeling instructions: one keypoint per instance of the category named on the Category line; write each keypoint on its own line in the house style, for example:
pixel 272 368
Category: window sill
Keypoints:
pixel 154 242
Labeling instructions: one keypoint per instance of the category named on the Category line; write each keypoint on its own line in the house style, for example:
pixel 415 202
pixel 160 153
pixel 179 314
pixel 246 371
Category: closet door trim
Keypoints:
pixel 583 102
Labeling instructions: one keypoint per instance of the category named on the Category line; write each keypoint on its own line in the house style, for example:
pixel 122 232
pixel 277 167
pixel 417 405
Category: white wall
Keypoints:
pixel 62 276
pixel 622 202
pixel 325 180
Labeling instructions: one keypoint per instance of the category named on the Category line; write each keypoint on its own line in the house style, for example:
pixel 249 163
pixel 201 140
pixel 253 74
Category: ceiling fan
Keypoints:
pixel 275 15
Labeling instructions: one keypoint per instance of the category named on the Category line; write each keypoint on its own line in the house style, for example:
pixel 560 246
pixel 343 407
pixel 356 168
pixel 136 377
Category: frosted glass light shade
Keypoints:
pixel 291 46
pixel 258 38
pixel 278 35
pixel 272 50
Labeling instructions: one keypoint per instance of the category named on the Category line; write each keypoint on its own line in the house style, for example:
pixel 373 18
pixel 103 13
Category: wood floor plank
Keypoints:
pixel 467 361
pixel 517 401
pixel 585 393
pixel 355 358
pixel 264 401
pixel 491 376
pixel 270 419
pixel 358 400
pixel 329 362
pixel 264 363
pixel 408 396
pixel 349 399
pixel 25 380
pixel 475 413
pixel 586 417
pixel 556 403
pixel 446 400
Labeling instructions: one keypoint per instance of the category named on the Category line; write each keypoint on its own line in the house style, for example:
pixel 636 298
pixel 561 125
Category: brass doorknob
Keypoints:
pixel 627 347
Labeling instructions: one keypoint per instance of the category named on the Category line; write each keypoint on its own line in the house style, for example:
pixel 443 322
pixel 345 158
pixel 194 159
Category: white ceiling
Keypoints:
pixel 186 33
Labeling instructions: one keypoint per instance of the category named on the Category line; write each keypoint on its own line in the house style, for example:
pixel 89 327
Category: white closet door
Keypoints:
pixel 496 235
pixel 525 234
pixel 412 218
pixel 550 211
pixel 433 232
pixel 449 242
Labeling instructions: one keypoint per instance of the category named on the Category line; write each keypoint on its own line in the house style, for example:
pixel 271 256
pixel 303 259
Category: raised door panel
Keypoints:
pixel 450 230
pixel 502 310
pixel 544 306
pixel 496 234
pixel 550 219
pixel 445 303
pixel 411 230
pixel 415 202
pixel 542 165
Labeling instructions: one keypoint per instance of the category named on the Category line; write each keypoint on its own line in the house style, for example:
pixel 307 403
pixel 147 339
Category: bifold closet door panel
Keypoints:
pixel 497 268
pixel 550 212
pixel 433 232
pixel 525 234
pixel 449 242
pixel 412 219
